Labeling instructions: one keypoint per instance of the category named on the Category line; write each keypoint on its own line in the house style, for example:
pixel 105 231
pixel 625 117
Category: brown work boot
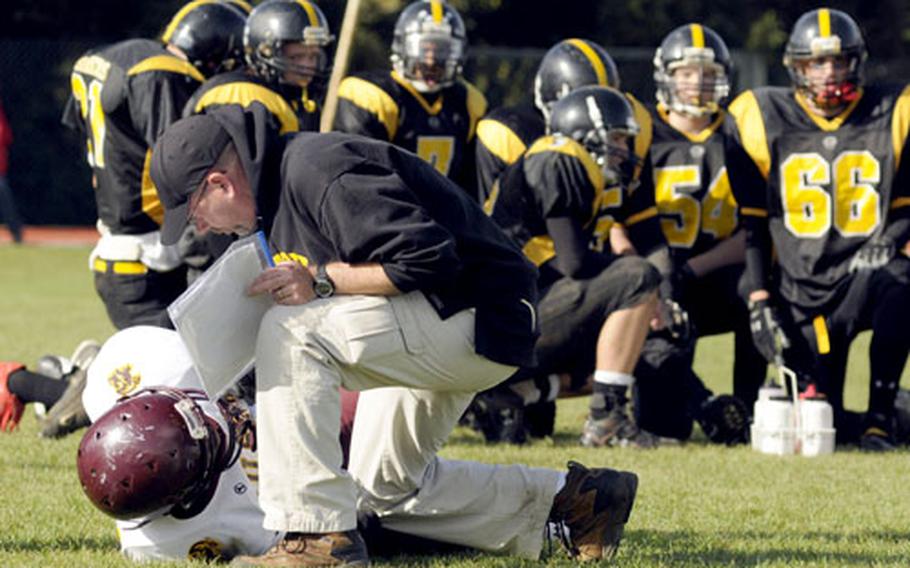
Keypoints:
pixel 594 506
pixel 310 549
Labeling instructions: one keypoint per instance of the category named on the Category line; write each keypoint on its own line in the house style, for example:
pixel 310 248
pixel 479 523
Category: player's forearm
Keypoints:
pixel 758 254
pixel 725 253
pixel 620 243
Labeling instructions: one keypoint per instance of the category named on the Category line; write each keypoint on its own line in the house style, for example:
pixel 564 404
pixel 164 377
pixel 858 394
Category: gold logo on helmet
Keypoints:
pixel 207 550
pixel 123 380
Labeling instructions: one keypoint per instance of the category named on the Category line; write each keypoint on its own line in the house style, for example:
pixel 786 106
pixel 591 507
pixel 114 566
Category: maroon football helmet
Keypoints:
pixel 154 453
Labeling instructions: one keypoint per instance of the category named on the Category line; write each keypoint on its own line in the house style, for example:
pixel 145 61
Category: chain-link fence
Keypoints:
pixel 52 183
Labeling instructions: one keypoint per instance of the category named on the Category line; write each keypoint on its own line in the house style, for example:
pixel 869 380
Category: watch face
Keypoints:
pixel 323 289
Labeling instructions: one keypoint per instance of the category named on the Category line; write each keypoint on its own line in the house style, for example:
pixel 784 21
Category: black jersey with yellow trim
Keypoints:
pixel 693 177
pixel 503 135
pixel 288 113
pixel 831 184
pixel 439 127
pixel 123 97
pixel 555 178
pixel 632 207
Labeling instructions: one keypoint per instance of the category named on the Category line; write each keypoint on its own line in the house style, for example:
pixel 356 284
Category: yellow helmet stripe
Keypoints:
pixel 698 35
pixel 436 11
pixel 243 5
pixel 178 17
pixel 824 22
pixel 596 63
pixel 310 12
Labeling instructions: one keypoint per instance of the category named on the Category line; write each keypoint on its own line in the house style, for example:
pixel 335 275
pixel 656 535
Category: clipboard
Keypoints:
pixel 217 321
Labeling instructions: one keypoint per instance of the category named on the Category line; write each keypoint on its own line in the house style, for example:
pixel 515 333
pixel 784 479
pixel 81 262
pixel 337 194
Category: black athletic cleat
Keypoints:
pixel 540 418
pixel 617 429
pixel 68 415
pixel 500 415
pixel 724 420
pixel 876 440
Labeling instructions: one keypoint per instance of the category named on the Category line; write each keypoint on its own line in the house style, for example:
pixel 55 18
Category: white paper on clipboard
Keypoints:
pixel 217 321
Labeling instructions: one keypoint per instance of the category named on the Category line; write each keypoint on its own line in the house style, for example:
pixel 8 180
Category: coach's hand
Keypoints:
pixel 767 333
pixel 289 283
pixel 877 252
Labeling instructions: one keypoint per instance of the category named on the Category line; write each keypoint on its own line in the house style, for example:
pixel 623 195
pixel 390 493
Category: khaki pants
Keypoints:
pixel 423 372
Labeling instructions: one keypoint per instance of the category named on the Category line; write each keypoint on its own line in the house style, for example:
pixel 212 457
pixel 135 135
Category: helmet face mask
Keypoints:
pixel 601 120
pixel 154 453
pixel 429 46
pixel 827 89
pixel 568 65
pixel 300 63
pixel 612 151
pixel 825 58
pixel 692 70
pixel 285 42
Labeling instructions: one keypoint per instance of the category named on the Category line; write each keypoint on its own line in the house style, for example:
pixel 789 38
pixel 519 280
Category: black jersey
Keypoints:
pixel 439 127
pixel 123 97
pixel 693 175
pixel 289 113
pixel 832 184
pixel 503 136
pixel 506 133
pixel 555 178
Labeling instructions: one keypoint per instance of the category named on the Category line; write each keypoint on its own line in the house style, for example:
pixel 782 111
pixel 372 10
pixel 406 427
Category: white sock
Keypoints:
pixel 554 387
pixel 614 378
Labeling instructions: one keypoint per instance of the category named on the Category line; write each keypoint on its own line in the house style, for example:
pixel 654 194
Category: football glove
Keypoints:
pixel 767 333
pixel 876 253
pixel 675 320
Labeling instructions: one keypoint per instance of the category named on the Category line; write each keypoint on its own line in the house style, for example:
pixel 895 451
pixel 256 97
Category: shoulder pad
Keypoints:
pixel 562 148
pixel 371 97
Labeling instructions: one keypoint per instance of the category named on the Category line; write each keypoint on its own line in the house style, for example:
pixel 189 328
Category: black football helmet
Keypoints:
pixel 428 48
pixel 154 453
pixel 275 23
pixel 570 64
pixel 242 4
pixel 594 116
pixel 210 33
pixel 826 33
pixel 698 46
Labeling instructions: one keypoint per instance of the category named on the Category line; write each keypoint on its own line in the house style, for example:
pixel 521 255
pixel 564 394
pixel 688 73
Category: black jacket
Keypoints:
pixel 352 199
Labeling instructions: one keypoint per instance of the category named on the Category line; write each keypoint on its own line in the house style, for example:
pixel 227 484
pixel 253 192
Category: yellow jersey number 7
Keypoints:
pixel 438 151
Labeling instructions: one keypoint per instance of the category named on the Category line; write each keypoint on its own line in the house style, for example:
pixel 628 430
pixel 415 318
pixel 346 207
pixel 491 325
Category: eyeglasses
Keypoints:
pixel 198 195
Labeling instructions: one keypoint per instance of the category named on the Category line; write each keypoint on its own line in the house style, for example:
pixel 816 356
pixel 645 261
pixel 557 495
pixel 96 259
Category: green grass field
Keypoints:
pixel 698 505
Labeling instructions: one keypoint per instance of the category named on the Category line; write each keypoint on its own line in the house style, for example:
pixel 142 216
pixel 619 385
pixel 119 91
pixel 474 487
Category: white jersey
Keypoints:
pixel 141 357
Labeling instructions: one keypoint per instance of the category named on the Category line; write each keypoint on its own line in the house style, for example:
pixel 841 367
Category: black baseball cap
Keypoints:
pixel 182 157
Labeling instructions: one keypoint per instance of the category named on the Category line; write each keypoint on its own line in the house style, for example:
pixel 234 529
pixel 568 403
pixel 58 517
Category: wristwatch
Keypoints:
pixel 323 286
